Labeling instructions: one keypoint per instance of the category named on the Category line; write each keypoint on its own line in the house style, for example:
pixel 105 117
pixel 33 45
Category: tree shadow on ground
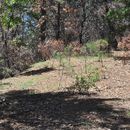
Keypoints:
pixel 25 110
pixel 38 72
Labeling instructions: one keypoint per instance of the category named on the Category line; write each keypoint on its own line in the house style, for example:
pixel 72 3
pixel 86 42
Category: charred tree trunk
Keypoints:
pixel 112 40
pixel 6 50
pixel 58 22
pixel 6 56
pixel 43 23
pixel 5 47
pixel 83 21
pixel 112 31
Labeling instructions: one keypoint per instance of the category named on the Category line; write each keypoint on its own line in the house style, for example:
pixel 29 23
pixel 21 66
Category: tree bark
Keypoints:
pixel 5 47
pixel 43 24
pixel 82 22
pixel 6 51
pixel 112 32
pixel 58 22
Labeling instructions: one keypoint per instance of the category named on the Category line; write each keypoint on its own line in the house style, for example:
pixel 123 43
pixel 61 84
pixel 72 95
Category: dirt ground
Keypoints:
pixel 38 100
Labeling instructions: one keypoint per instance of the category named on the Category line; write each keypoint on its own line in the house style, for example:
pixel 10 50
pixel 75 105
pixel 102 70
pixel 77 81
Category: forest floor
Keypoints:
pixel 38 99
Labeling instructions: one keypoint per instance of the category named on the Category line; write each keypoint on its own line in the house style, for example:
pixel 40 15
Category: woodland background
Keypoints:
pixel 28 27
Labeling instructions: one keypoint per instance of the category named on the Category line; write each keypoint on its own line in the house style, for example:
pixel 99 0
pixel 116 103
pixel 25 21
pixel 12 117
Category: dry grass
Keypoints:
pixel 61 77
pixel 30 109
pixel 114 76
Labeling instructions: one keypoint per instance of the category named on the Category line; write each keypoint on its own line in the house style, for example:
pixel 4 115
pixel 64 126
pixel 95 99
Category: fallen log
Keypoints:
pixel 121 55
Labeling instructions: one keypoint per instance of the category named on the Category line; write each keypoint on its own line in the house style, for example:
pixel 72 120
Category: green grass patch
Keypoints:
pixel 40 64
pixel 4 85
pixel 27 84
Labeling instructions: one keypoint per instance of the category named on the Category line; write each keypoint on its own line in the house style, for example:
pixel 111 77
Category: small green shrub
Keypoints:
pixel 85 82
pixel 102 44
pixel 82 83
pixel 59 56
pixel 96 47
pixel 91 48
pixel 5 72
pixel 68 51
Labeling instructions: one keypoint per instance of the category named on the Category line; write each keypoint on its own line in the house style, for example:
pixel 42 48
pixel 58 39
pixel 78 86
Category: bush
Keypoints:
pixel 85 82
pixel 20 58
pixel 95 48
pixel 68 50
pixel 5 72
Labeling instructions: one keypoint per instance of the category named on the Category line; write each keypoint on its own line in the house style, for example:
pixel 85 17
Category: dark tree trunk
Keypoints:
pixel 43 24
pixel 112 32
pixel 113 42
pixel 5 48
pixel 82 22
pixel 6 52
pixel 58 22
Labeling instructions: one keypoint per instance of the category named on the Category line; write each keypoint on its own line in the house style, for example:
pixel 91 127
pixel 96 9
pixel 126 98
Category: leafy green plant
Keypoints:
pixel 5 72
pixel 91 48
pixel 97 48
pixel 68 51
pixel 59 56
pixel 101 44
pixel 82 84
pixel 85 82
pixel 120 13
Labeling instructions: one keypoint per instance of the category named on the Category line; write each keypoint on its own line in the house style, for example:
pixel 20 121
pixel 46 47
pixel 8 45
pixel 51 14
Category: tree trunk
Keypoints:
pixel 5 47
pixel 43 24
pixel 6 51
pixel 82 22
pixel 112 32
pixel 58 22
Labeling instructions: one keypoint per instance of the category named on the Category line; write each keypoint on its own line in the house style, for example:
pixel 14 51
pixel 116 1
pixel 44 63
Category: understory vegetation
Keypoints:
pixel 35 30
pixel 64 64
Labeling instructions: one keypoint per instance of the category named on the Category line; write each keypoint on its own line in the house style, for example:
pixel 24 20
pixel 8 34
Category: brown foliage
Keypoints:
pixel 124 43
pixel 48 48
pixel 20 58
pixel 76 47
pixel 69 10
pixel 122 55
pixel 124 47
